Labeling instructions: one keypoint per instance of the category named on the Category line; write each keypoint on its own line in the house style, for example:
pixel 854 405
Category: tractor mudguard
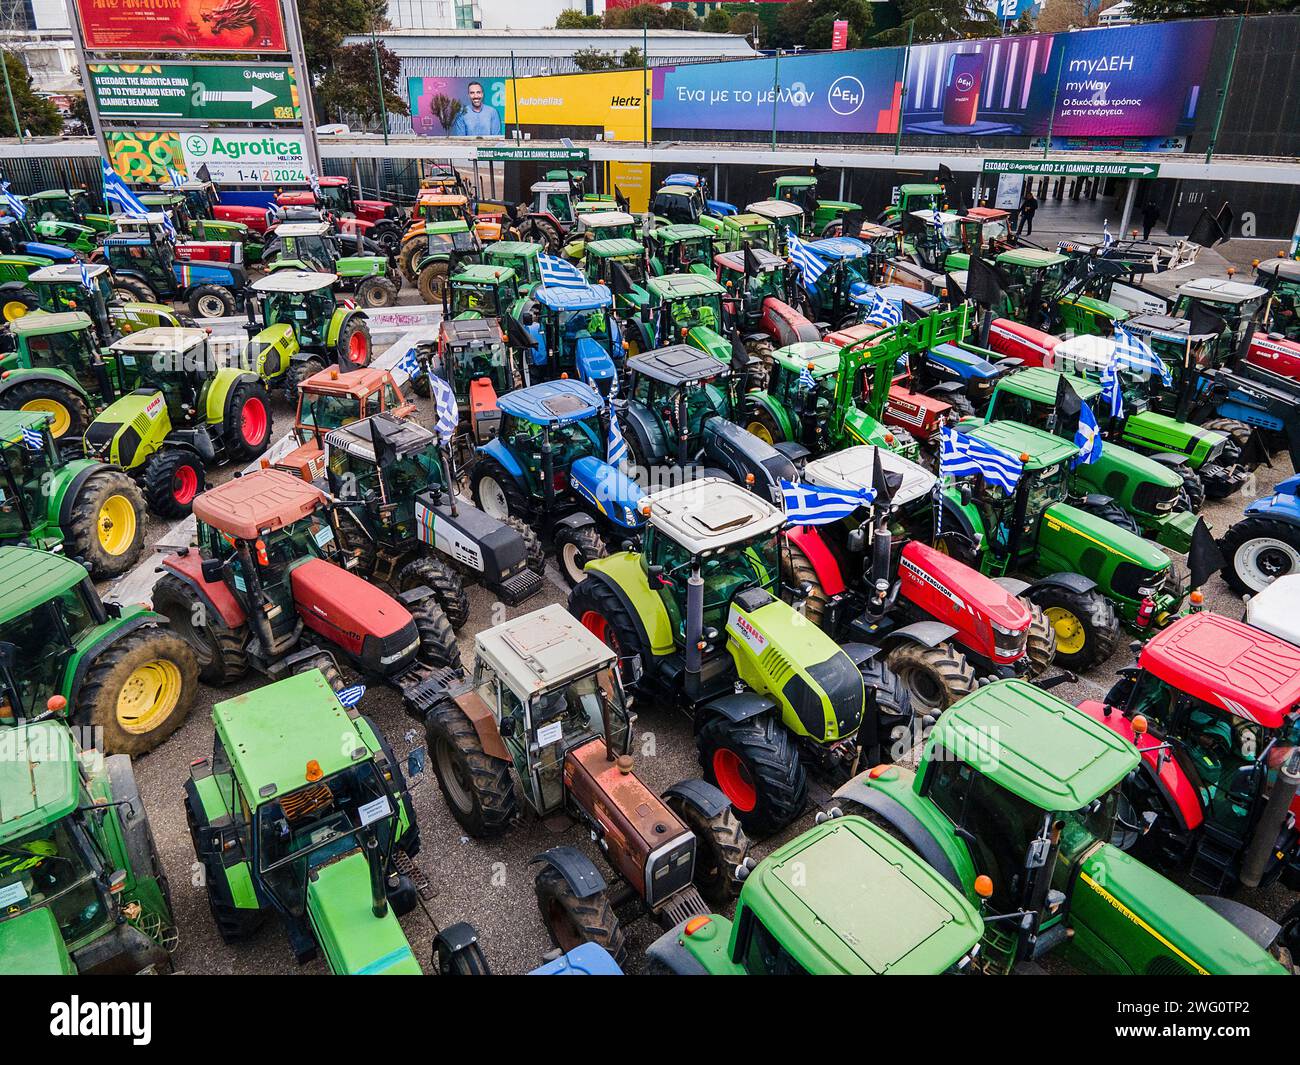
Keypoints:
pixel 778 412
pixel 1255 926
pixel 1283 504
pixel 340 318
pixel 415 595
pixel 497 450
pixel 64 498
pixel 622 573
pixel 579 872
pixel 906 823
pixel 784 324
pixel 720 207
pixel 611 492
pixel 197 440
pixel 1074 582
pixel 643 333
pixel 19 375
pixel 578 520
pixel 925 633
pixel 215 594
pixel 647 432
pixel 453 940
pixel 741 454
pixel 1011 585
pixel 960 517
pixel 1099 499
pixel 700 795
pixel 220 387
pixel 737 707
pixel 809 541
pixel 860 653
pixel 107 635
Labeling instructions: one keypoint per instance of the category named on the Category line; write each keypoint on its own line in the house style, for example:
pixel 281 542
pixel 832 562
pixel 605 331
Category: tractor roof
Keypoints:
pixel 464 331
pixel 677 364
pixel 545 649
pixel 987 214
pixel 1163 327
pixel 332 181
pixel 587 298
pixel 1247 672
pixel 1035 746
pixel 358 383
pixel 39 778
pixel 853 468
pixel 550 186
pixel 824 358
pixel 673 188
pixel 770 209
pixel 258 502
pixel 67 273
pixel 1273 609
pixel 602 218
pixel 802 181
pixel 1283 269
pixel 919 189
pixel 927 216
pixel 861 902
pixel 711 514
pixel 14 422
pixel 439 198
pixel 302 229
pixel 294 281
pixel 552 402
pixel 513 249
pixel 749 220
pixel 53 194
pixel 160 338
pixel 39 323
pixel 484 273
pixel 681 177
pixel 1031 257
pixel 1039 385
pixel 1043 448
pixel 272 732
pixel 735 260
pixel 871 231
pixel 1218 290
pixel 678 286
pixel 404 436
pixel 29 577
pixel 679 231
pixel 840 247
pixel 614 247
pixel 149 218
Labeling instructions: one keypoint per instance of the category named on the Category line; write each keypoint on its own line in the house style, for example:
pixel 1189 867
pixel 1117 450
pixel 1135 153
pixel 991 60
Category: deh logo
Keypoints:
pixel 120 1019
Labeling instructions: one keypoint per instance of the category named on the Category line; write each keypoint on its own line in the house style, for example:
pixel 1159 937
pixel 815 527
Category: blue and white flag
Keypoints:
pixel 616 449
pixel 1106 239
pixel 86 283
pixel 1087 437
pixel 33 439
pixel 961 455
pixel 1135 355
pixel 883 311
pixel 936 219
pixel 168 228
pixel 445 403
pixel 116 192
pixel 1111 391
pixel 557 273
pixel 806 381
pixel 409 364
pixel 174 177
pixel 811 265
pixel 12 203
pixel 810 504
pixel 349 697
pixel 314 181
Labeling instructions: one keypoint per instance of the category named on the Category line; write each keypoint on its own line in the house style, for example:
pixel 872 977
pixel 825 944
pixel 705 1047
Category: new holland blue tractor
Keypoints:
pixel 1265 544
pixel 581 334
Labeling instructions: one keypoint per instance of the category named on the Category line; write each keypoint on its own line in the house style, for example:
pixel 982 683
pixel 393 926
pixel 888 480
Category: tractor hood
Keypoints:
pixel 1275 354
pixel 365 621
pixel 593 363
pixel 1063 518
pixel 31 944
pixel 127 427
pixel 611 492
pixel 470 537
pixel 354 940
pixel 359 265
pixel 56 252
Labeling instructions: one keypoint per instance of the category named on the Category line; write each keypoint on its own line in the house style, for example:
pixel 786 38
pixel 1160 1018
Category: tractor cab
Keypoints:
pixel 555 199
pixel 797 411
pixel 1239 304
pixel 330 399
pixel 1281 277
pixel 885 242
pixel 29 461
pixel 518 255
pixel 171 204
pixel 201 197
pixel 933 236
pixel 435 205
pixel 480 367
pixel 985 230
pixel 582 335
pixel 784 217
pixel 737 230
pixel 672 393
pixel 915 197
pixel 680 249
pixel 826 216
pixel 62 288
pixel 619 265
pixel 301 299
pixel 174 363
pixel 849 263
pixel 686 308
pixel 140 255
pixel 752 280
pixel 481 291
pixel 1035 278
pixel 602 224
pixel 65 342
pixel 66 205
pixel 307 246
pixel 17 238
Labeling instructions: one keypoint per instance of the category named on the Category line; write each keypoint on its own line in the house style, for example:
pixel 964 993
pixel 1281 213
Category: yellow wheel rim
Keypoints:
pixel 14 309
pixel 149 696
pixel 761 431
pixel 62 416
pixel 1070 633
pixel 116 525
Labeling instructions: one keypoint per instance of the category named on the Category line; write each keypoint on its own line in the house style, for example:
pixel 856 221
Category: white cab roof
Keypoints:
pixel 1274 609
pixel 302 229
pixel 160 338
pixel 852 468
pixel 294 281
pixel 544 649
pixel 1214 288
pixel 712 513
pixel 774 209
pixel 66 272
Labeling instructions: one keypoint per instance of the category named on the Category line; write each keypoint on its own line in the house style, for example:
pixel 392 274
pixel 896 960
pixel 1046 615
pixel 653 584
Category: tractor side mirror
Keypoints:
pixel 965 495
pixel 654 570
pixel 213 570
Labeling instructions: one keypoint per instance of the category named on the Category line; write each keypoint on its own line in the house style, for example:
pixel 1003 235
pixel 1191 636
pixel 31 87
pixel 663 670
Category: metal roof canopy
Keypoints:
pixel 66 272
pixel 711 514
pixel 735 260
pixel 552 402
pixel 302 229
pixel 39 323
pixel 588 298
pixel 854 468
pixel 677 364
pixel 1221 291
pixel 404 436
pixel 544 649
pixel 160 338
pixel 294 281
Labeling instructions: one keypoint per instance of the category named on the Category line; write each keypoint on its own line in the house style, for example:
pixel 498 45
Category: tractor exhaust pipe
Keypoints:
pixel 378 896
pixel 1260 848
pixel 882 543
pixel 694 631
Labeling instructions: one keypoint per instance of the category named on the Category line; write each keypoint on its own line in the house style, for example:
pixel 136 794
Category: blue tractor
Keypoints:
pixel 581 334
pixel 547 466
pixel 17 238
pixel 147 270
pixel 1265 544
pixel 849 265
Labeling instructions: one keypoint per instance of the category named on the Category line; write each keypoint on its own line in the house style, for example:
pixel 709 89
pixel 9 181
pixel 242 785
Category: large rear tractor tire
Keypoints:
pixel 133 290
pixel 138 691
pixel 234 924
pixel 353 349
pixel 602 613
pixel 477 787
pixel 572 921
pixel 721 846
pixel 574 548
pixel 376 292
pixel 534 551
pixel 172 478
pixel 496 493
pixel 1258 551
pixel 1084 623
pixel 220 651
pixel 798 572
pixel 1237 431
pixel 106 529
pixel 437 640
pixel 1192 496
pixel 432 282
pixel 443 581
pixel 68 410
pixel 410 253
pixel 1040 644
pixel 756 764
pixel 246 427
pixel 934 677
pixel 893 704
pixel 1108 510
pixel 759 421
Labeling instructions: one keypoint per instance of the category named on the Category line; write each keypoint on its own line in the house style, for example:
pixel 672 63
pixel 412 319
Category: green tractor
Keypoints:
pixel 1044 289
pixel 914 197
pixel 1017 803
pixel 521 256
pixel 1088 574
pixel 619 265
pixel 60 287
pixel 784 217
pixel 116 670
pixel 91 512
pixel 186 413
pixel 435 255
pixel 66 229
pixel 67 205
pixel 681 308
pixel 698 606
pixel 314 246
pixel 757 231
pixel 600 224
pixel 826 217
pixel 304 328
pixel 478 290
pixel 842 899
pixel 303 812
pixel 16 296
pixel 83 884
pixel 680 249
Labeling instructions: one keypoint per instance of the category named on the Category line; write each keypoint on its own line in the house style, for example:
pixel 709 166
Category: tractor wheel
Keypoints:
pixel 759 421
pixel 211 301
pixel 934 677
pixel 759 375
pixel 756 764
pixel 1192 495
pixel 1259 550
pixel 572 921
pixel 533 549
pixel 892 702
pixel 221 652
pixel 1084 623
pixel 328 669
pixel 421 386
pixel 377 292
pixel 172 478
pixel 468 961
pixel 1040 644
pixel 353 349
pixel 69 413
pixel 443 581
pixel 107 527
pixel 797 572
pixel 387 236
pixel 833 228
pixel 246 427
pixel 1108 510
pixel 1237 431
pixel 477 787
pixel 139 690
pixel 432 282
pixel 960 403
pixel 297 373
pixel 574 548
pixel 132 290
pixel 411 252
pixel 1222 481
pixel 602 613
pixel 437 641
pixel 16 301
pixel 540 231
pixel 496 493
pixel 234 924
pixel 720 847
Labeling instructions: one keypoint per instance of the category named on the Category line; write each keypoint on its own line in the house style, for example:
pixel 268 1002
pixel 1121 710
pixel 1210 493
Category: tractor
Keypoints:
pixel 260 593
pixel 581 334
pixel 382 220
pixel 933 239
pixel 185 414
pixel 848 268
pixel 148 271
pixel 115 670
pixel 1037 841
pixel 521 256
pixel 545 698
pixel 208 219
pixel 91 512
pixel 303 812
pixel 67 205
pixel 446 245
pixel 553 211
pixel 620 266
pixel 1089 575
pixel 737 230
pixel 825 217
pixel 762 294
pixel 592 226
pixel 680 249
pixel 479 365
pixel 304 328
pixel 1281 278
pixel 901 918
pixel 307 246
pixel 61 288
pixel 17 238
pixel 698 607
pixel 871 576
pixel 914 197
pixel 1211 708
pixel 546 466
pixel 404 526
pixel 1264 544
pixel 75 236
pixel 681 308
pixel 443 226
pixel 477 290
pixel 1045 289
pixel 784 218
pixel 80 874
pixel 683 200
pixel 16 296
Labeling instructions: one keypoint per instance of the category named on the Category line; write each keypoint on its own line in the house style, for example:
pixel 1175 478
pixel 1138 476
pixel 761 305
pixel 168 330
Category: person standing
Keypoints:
pixel 1150 216
pixel 1027 210
pixel 534 330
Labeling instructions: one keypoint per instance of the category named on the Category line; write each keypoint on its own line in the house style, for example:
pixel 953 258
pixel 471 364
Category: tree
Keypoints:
pixel 349 84
pixel 573 19
pixel 1160 10
pixel 792 24
pixel 633 57
pixel 1060 15
pixel 717 21
pixel 743 24
pixel 594 59
pixel 38 115
pixel 651 16
pixel 940 20
pixel 825 13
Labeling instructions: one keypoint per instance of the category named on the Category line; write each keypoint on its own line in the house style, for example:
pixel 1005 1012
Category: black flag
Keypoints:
pixel 1204 558
pixel 885 483
pixel 621 282
pixel 1212 227
pixel 740 358
pixel 1202 321
pixel 1068 402
pixel 203 173
pixel 621 201
pixel 516 335
pixel 984 283
pixel 948 180
pixel 752 266
pixel 955 294
pixel 384 453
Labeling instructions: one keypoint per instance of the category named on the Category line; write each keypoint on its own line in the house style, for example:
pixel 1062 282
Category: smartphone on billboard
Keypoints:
pixel 961 94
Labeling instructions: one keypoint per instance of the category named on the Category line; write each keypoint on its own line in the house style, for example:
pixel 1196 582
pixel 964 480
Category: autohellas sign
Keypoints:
pixel 246 158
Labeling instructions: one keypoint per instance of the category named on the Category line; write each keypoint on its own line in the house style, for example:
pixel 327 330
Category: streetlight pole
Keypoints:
pixel 379 83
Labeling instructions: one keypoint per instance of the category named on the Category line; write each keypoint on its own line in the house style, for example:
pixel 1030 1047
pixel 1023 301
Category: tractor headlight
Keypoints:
pixel 1216 450
pixel 397 656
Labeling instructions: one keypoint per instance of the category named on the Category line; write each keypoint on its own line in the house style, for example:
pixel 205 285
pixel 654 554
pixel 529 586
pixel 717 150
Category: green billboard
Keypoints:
pixel 217 92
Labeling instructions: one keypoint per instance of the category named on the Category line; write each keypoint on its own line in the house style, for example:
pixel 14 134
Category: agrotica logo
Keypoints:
pixel 133 1020
pixel 236 148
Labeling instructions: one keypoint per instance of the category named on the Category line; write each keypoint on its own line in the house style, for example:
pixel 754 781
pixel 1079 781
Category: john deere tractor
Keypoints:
pixel 67 205
pixel 61 288
pixel 620 266
pixel 1038 842
pixel 599 225
pixel 681 309
pixel 92 512
pixel 680 249
pixel 915 197
pixel 16 296
pixel 117 670
pixel 185 414
pixel 826 217
pixel 314 246
pixel 1046 289
pixel 477 290
pixel 698 605
pixel 83 884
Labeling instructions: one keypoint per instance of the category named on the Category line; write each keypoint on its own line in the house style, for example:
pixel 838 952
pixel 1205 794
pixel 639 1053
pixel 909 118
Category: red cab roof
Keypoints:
pixel 259 501
pixel 1245 671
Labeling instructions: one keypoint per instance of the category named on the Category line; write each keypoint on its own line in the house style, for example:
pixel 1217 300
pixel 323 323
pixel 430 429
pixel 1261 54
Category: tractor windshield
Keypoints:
pixel 43 640
pixel 23 485
pixel 336 198
pixel 482 360
pixel 328 411
pixel 63 351
pixel 307 538
pixel 565 718
pixel 480 299
pixel 319 251
pixel 749 564
pixel 320 823
pixel 53 866
pixel 760 952
pixel 307 312
pixel 689 312
pixel 411 474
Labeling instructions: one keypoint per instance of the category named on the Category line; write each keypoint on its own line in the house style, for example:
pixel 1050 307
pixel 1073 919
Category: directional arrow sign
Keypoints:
pixel 1072 168
pixel 222 92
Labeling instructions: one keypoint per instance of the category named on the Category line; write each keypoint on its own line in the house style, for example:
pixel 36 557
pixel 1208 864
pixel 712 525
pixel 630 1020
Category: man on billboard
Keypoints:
pixel 476 120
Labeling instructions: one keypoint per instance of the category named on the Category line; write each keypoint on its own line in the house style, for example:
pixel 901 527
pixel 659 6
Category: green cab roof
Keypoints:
pixel 825 358
pixel 749 220
pixel 1039 385
pixel 13 422
pixel 679 231
pixel 614 247
pixel 29 577
pixel 1044 448
pixel 40 323
pixel 513 249
pixel 795 180
pixel 484 273
pixel 920 189
pixel 1025 740
pixel 1031 257
pixel 39 779
pixel 676 286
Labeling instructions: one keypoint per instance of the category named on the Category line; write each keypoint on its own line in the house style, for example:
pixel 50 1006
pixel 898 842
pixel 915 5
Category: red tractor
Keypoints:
pixel 259 593
pixel 378 220
pixel 1213 705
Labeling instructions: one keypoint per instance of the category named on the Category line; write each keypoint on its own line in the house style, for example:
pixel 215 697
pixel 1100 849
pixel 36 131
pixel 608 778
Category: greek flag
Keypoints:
pixel 936 219
pixel 445 403
pixel 810 504
pixel 33 439
pixel 116 192
pixel 882 311
pixel 616 448
pixel 1087 437
pixel 556 273
pixel 811 265
pixel 1106 239
pixel 806 382
pixel 174 176
pixel 168 228
pixel 349 697
pixel 86 283
pixel 1134 354
pixel 961 455
pixel 1111 392
pixel 13 204
pixel 410 364
pixel 314 181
